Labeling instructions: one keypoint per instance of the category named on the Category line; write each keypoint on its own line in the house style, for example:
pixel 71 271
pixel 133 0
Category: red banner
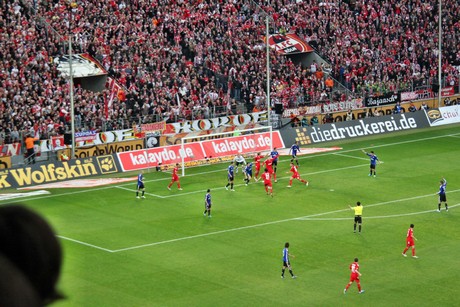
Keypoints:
pixel 152 157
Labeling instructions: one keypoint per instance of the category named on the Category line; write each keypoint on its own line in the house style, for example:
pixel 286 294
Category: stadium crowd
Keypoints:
pixel 179 59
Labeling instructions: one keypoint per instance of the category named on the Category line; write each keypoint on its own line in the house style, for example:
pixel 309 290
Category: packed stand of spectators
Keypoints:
pixel 185 59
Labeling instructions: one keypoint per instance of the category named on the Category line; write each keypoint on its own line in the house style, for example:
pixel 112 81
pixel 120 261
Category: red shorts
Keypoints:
pixel 268 184
pixel 175 178
pixel 410 242
pixel 270 170
pixel 258 167
pixel 354 277
pixel 296 176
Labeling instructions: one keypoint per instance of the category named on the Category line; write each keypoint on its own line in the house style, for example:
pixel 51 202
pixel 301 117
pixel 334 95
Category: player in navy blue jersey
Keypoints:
pixel 274 154
pixel 293 151
pixel 248 173
pixel 140 184
pixel 442 194
pixel 373 160
pixel 230 176
pixel 286 262
pixel 207 203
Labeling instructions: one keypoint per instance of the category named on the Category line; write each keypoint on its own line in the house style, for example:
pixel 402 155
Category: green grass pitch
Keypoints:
pixel 161 251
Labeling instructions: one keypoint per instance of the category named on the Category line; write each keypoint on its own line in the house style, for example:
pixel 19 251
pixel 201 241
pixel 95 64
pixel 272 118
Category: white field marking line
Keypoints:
pixel 243 184
pixel 134 190
pixel 307 217
pixel 348 156
pixel 373 217
pixel 86 244
pixel 378 146
pixel 455 136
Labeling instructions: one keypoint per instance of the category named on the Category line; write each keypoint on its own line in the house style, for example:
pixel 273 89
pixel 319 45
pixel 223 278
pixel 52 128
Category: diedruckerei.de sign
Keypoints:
pixel 366 127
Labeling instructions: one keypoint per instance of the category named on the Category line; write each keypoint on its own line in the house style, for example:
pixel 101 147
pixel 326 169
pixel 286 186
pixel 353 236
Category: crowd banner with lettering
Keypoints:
pixel 100 138
pixel 381 100
pixel 447 91
pixel 104 149
pixel 58 171
pixel 10 149
pixel 84 136
pixel 355 128
pixel 407 96
pixel 214 123
pixel 209 149
pixel 443 115
pixel 302 111
pixel 153 127
pixel 353 104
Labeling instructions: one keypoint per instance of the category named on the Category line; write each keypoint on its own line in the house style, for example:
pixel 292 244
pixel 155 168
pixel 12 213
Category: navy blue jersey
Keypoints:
pixel 442 188
pixel 274 154
pixel 231 169
pixel 207 200
pixel 248 169
pixel 140 181
pixel 373 159
pixel 286 255
pixel 294 149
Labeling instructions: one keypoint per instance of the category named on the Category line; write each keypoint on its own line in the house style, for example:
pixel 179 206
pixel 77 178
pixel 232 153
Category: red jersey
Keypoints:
pixel 257 161
pixel 294 171
pixel 175 177
pixel 268 164
pixel 267 178
pixel 354 268
pixel 410 233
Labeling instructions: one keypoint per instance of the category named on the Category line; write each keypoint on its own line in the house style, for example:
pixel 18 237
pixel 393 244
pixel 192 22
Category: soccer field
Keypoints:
pixel 161 251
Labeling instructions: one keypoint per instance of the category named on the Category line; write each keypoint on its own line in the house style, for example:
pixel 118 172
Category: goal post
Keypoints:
pixel 227 144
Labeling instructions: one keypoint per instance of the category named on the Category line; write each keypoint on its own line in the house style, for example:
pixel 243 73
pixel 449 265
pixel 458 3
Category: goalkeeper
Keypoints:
pixel 239 160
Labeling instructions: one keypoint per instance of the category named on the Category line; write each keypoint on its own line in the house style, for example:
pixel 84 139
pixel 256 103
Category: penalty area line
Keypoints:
pixel 371 217
pixel 132 190
pixel 86 244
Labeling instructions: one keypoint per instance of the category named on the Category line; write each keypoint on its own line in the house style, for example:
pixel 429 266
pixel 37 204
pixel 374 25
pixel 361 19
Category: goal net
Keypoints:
pixel 224 146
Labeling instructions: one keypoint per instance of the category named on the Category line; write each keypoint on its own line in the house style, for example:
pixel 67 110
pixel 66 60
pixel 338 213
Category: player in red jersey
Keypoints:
pixel 355 275
pixel 257 159
pixel 295 175
pixel 269 166
pixel 175 178
pixel 267 177
pixel 410 243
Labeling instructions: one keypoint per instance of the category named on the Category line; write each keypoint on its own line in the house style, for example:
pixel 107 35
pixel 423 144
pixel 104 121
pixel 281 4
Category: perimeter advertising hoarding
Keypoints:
pixel 357 128
pixel 58 171
pixel 443 115
pixel 192 152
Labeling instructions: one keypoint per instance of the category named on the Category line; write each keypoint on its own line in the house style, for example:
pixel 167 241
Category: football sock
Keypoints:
pixel 354 227
pixel 227 185
pixel 178 185
pixel 137 193
pixel 231 186
pixel 143 193
pixel 282 272
pixel 290 271
pixel 447 208
pixel 439 206
pixel 359 287
pixel 359 228
pixel 290 182
pixel 413 252
pixel 405 250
